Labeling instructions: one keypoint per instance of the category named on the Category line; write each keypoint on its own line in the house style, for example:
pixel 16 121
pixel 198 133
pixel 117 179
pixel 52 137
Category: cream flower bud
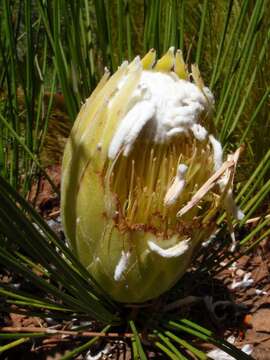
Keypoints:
pixel 138 153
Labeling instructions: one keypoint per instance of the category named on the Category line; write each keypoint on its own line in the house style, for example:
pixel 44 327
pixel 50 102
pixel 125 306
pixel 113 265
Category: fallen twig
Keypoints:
pixel 49 331
pixel 256 219
pixel 207 186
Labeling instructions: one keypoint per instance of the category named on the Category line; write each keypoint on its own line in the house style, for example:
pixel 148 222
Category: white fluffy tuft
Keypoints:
pixel 218 152
pixel 121 266
pixel 173 251
pixel 199 132
pixel 168 105
pixel 177 186
pixel 231 206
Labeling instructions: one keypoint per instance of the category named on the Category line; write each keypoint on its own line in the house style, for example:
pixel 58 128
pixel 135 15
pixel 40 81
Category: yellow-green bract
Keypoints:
pixel 141 148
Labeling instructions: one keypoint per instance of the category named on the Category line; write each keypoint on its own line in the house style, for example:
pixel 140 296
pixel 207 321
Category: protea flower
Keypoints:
pixel 143 177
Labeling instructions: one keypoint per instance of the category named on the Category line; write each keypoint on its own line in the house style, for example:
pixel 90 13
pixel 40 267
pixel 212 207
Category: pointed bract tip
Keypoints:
pixel 137 60
pixel 149 59
pixel 166 63
pixel 135 64
pixel 195 71
pixel 123 65
pixel 180 66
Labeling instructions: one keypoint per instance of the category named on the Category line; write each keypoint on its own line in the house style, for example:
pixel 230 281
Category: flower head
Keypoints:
pixel 140 151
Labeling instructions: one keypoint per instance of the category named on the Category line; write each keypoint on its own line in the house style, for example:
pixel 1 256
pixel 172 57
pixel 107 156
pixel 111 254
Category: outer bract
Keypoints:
pixel 140 149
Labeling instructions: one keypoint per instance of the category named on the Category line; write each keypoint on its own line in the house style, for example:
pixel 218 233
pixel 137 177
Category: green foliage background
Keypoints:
pixel 62 46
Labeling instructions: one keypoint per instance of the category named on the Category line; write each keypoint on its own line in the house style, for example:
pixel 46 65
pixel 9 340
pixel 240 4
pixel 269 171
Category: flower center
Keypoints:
pixel 141 181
